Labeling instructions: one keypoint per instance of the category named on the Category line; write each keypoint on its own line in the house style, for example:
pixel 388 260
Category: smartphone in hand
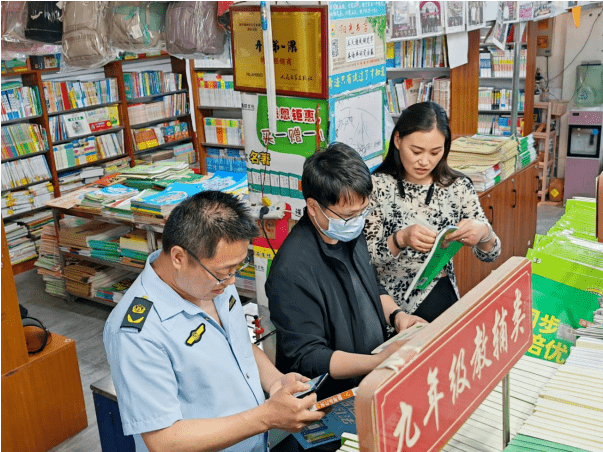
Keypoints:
pixel 315 383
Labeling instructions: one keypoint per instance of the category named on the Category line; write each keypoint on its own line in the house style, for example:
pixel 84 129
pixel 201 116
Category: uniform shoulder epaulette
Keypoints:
pixel 137 313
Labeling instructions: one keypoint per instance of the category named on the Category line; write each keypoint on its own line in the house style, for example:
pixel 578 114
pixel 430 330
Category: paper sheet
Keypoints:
pixel 460 43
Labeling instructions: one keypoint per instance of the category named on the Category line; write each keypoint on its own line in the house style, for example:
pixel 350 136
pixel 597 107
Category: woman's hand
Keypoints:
pixel 418 237
pixel 469 232
pixel 404 320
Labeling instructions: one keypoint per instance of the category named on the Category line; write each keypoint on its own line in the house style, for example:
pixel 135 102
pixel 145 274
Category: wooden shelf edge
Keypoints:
pixel 223 146
pixel 18 120
pixel 102 262
pixel 24 156
pixel 89 107
pixel 94 299
pixel 24 266
pixel 93 134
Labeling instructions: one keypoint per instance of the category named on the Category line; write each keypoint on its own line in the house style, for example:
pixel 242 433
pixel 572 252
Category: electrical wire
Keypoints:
pixel 586 42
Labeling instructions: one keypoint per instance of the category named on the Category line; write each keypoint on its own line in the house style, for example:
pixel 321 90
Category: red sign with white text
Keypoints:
pixel 422 406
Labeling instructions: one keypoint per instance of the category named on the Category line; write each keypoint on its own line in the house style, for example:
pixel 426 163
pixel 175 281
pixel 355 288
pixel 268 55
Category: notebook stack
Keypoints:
pixel 134 248
pixel 49 264
pixel 79 238
pixel 20 246
pixel 121 209
pixel 527 151
pixel 156 208
pixel 484 151
pixel 94 201
pixel 83 279
pixel 116 291
pixel 144 175
pixel 31 198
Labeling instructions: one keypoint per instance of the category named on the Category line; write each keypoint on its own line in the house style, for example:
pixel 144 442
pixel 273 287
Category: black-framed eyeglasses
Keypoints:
pixel 242 267
pixel 365 213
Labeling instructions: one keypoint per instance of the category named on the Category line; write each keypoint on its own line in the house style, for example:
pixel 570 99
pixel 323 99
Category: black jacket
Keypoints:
pixel 307 291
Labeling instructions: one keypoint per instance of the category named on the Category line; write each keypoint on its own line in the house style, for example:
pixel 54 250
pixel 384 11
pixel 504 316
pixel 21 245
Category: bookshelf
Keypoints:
pixel 208 107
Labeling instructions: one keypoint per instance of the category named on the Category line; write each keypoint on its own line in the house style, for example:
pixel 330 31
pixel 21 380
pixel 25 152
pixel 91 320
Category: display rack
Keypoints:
pixel 202 111
pixel 151 229
pixel 546 134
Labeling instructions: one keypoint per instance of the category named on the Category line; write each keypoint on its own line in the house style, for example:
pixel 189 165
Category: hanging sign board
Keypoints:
pixel 299 43
pixel 422 394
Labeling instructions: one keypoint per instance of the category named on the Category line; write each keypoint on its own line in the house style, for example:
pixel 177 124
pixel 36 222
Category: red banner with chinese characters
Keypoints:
pixel 422 405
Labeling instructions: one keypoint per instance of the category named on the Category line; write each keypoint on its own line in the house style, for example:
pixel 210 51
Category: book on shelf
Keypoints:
pixel 148 83
pixel 419 53
pixel 224 131
pixel 20 101
pixel 24 171
pixel 69 125
pixel 217 90
pixel 229 160
pixel 499 63
pixel 402 93
pixel 31 198
pixel 67 95
pixel 23 139
pixel 150 137
pixel 166 107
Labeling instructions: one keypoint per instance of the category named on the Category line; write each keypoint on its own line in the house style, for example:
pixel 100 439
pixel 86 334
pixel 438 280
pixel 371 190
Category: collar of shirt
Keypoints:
pixel 166 300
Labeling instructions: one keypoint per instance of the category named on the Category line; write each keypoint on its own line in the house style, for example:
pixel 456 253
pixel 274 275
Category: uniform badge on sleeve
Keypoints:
pixel 195 335
pixel 137 313
pixel 231 302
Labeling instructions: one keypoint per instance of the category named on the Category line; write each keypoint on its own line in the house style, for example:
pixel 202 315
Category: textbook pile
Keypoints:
pixel 20 246
pixel 31 198
pixel 49 265
pixel 485 153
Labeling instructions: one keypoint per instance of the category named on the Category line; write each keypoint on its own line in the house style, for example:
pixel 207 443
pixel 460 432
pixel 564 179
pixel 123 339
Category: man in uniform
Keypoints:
pixel 186 375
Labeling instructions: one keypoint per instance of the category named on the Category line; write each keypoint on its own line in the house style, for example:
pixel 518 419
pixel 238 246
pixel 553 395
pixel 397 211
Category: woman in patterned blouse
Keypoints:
pixel 416 194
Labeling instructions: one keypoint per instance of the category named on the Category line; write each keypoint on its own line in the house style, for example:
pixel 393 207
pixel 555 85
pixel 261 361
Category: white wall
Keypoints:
pixel 575 38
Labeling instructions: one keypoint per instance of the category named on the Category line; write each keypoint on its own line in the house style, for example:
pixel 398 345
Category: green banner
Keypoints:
pixel 296 125
pixel 554 303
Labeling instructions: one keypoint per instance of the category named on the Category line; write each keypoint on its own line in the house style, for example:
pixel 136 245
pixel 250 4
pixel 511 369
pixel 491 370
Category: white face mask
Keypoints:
pixel 344 230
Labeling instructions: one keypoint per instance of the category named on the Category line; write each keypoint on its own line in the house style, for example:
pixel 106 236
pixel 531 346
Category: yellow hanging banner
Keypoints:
pixel 576 12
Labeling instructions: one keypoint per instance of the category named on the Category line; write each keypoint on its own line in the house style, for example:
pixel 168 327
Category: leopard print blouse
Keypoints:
pixel 448 206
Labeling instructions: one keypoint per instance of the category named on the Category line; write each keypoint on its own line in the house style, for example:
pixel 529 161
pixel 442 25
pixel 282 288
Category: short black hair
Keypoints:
pixel 334 174
pixel 199 223
pixel 420 117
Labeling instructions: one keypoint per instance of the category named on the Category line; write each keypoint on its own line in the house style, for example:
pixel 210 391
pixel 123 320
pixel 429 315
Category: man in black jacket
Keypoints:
pixel 325 300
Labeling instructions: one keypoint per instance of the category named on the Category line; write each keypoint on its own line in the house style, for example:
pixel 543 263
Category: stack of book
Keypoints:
pixel 419 53
pixel 402 93
pixel 31 198
pixel 151 137
pixel 21 247
pixel 566 415
pixel 120 209
pixel 217 90
pixel 157 170
pixel 185 153
pixel 83 279
pixel 116 291
pixel 224 131
pixel 484 152
pixel 20 101
pixel 94 201
pixel 35 224
pixel 23 139
pixel 49 262
pixel 134 248
pixel 71 125
pixel 527 151
pixel 490 98
pixel 157 208
pixel 499 64
pixel 570 253
pixel 62 96
pixel 88 149
pixel 23 172
pixel 166 107
pixel 483 177
pixel 148 83
pixel 229 160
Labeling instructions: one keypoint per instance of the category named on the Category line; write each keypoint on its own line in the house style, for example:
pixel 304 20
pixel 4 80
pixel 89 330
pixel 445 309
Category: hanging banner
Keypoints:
pixel 357 45
pixel 299 37
pixel 275 160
